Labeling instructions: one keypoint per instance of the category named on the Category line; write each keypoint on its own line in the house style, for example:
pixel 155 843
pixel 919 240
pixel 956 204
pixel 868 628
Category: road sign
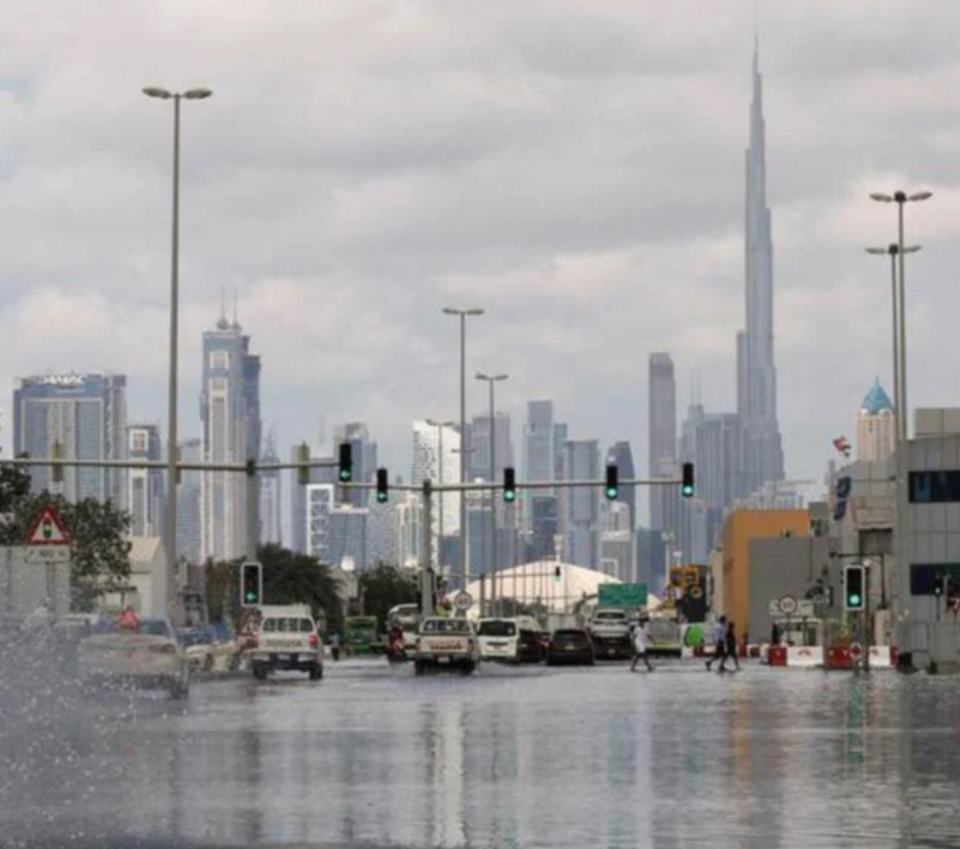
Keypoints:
pixel 788 605
pixel 622 595
pixel 463 602
pixel 48 530
pixel 38 555
pixel 805 609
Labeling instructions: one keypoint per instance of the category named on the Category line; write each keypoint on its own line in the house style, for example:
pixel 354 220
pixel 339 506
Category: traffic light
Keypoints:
pixel 938 585
pixel 686 487
pixel 853 588
pixel 612 490
pixel 556 573
pixel 179 471
pixel 346 462
pixel 509 485
pixel 251 585
pixel 383 486
pixel 251 468
pixel 56 471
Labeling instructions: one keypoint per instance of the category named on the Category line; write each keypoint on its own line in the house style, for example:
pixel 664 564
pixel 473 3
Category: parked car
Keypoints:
pixel 571 646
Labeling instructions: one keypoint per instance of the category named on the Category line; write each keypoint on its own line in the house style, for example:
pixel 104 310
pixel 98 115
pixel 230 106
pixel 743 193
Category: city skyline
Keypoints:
pixel 330 334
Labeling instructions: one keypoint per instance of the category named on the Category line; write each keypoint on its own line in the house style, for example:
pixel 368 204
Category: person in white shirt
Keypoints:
pixel 640 646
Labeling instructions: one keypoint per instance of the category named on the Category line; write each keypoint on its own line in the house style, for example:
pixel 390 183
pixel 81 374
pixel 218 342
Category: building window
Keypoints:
pixel 218 385
pixel 220 360
pixel 138 441
pixel 924 577
pixel 936 487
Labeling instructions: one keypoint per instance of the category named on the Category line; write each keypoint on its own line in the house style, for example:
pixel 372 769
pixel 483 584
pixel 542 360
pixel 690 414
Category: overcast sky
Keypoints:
pixel 576 168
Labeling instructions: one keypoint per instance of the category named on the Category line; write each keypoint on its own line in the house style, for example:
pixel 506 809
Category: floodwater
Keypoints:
pixel 599 757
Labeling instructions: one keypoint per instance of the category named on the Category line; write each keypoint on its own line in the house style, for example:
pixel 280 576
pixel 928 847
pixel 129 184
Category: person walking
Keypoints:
pixel 640 642
pixel 719 642
pixel 730 647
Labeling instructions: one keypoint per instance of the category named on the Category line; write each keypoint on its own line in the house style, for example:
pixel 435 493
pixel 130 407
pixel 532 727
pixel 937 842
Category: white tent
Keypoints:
pixel 558 586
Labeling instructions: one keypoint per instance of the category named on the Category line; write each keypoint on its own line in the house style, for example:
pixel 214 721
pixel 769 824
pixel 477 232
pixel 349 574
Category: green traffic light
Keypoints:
pixel 251 596
pixel 854 600
pixel 509 495
pixel 382 498
pixel 687 491
pixel 612 492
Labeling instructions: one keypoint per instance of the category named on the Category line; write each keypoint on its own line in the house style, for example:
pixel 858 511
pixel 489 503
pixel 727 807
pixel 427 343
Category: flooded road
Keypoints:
pixel 535 757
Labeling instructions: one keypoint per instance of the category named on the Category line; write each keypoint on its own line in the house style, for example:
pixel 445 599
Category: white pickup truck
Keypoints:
pixel 610 631
pixel 449 643
pixel 285 639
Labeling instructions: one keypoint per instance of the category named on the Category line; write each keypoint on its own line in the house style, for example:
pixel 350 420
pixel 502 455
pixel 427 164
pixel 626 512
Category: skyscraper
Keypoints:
pixel 479 458
pixel 430 463
pixel 87 415
pixel 580 508
pixel 364 459
pixel 145 487
pixel 876 425
pixel 270 495
pixel 230 410
pixel 189 511
pixel 756 373
pixel 662 435
pixel 621 455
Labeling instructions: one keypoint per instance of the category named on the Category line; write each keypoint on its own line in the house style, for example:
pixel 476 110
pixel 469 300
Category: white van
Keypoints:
pixel 499 640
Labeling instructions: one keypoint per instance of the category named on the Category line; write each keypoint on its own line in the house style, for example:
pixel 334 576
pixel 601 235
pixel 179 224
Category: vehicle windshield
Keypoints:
pixel 446 626
pixel 497 628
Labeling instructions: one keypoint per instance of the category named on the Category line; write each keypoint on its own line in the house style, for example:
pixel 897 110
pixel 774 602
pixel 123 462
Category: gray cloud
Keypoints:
pixel 575 167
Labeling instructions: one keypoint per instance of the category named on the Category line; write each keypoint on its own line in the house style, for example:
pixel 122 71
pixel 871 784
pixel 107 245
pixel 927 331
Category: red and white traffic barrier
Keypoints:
pixel 842 658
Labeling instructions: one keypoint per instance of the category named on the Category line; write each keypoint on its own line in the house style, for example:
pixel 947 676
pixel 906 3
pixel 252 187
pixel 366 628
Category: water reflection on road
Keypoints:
pixel 525 758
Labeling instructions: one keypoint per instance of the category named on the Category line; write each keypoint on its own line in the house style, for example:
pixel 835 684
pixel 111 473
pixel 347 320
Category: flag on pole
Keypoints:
pixel 842 445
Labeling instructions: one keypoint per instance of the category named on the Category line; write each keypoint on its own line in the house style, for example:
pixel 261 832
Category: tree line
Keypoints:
pixel 100 562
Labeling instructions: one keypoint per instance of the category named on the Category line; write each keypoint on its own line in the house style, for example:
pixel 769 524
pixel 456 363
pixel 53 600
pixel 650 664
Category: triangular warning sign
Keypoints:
pixel 48 530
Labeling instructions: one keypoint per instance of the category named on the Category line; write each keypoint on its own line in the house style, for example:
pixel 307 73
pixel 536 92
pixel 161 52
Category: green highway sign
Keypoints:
pixel 622 595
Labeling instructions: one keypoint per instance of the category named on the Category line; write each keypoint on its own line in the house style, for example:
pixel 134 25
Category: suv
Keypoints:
pixel 286 639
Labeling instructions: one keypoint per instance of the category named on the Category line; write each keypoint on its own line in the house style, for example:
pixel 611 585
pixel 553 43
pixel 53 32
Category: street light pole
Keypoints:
pixel 894 251
pixel 900 199
pixel 463 314
pixel 172 605
pixel 492 380
pixel 440 425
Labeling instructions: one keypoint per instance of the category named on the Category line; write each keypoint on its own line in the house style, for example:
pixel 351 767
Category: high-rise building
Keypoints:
pixel 662 435
pixel 189 510
pixel 580 507
pixel 714 442
pixel 364 459
pixel 617 541
pixel 539 452
pixel 300 522
pixel 436 457
pixel 876 425
pixel 145 487
pixel 756 373
pixel 621 455
pixel 87 415
pixel 230 411
pixel 480 443
pixel 320 506
pixel 270 496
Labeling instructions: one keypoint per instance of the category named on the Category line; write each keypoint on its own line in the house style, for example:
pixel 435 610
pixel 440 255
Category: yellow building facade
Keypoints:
pixel 741 527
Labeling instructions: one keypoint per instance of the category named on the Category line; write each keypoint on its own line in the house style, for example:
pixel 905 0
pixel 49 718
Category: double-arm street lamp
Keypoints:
pixel 171 523
pixel 900 337
pixel 492 380
pixel 463 315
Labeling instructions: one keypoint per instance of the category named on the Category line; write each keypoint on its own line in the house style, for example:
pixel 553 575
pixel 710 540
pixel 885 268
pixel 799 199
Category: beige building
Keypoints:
pixel 876 426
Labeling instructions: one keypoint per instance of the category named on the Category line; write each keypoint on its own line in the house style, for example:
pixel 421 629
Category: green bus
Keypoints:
pixel 360 634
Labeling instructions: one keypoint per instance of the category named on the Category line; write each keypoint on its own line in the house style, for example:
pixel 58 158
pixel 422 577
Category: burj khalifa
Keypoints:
pixel 756 373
